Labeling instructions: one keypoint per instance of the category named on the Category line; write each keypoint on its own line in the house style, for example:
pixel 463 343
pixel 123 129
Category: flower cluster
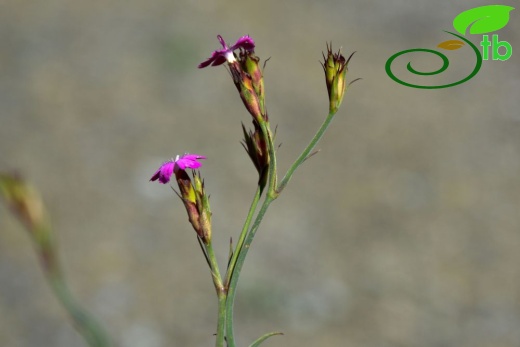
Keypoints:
pixel 247 76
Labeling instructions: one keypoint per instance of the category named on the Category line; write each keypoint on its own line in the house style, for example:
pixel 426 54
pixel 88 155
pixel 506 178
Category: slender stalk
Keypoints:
pixel 242 248
pixel 215 272
pixel 27 205
pixel 84 323
pixel 231 269
pixel 242 236
pixel 221 323
pixel 238 268
pixel 272 193
pixel 221 294
pixel 306 152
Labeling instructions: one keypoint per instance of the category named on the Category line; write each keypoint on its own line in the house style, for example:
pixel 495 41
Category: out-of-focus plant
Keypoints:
pixel 25 202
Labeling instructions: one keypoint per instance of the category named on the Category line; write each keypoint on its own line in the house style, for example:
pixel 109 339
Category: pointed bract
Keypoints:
pixel 335 67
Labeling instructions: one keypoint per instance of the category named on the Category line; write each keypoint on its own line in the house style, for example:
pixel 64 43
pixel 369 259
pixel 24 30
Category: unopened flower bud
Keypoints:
pixel 203 207
pixel 255 145
pixel 27 205
pixel 246 89
pixel 250 64
pixel 23 200
pixel 335 67
pixel 189 198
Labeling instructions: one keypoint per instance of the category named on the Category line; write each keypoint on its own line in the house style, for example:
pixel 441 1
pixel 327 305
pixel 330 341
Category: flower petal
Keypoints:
pixel 217 58
pixel 245 42
pixel 189 161
pixel 220 56
pixel 164 173
pixel 222 42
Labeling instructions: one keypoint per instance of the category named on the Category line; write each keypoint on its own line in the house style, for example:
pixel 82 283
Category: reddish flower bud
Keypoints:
pixel 244 84
pixel 250 64
pixel 256 147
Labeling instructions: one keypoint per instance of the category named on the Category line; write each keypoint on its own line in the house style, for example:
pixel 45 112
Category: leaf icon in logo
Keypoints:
pixel 451 45
pixel 483 19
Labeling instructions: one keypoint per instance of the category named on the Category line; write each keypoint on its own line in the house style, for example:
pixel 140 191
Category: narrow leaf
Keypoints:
pixel 483 19
pixel 451 45
pixel 230 255
pixel 263 338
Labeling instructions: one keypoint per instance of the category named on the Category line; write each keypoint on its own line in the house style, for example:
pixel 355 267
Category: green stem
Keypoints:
pixel 215 272
pixel 221 294
pixel 272 193
pixel 242 236
pixel 232 268
pixel 84 323
pixel 306 152
pixel 238 268
pixel 241 250
pixel 221 324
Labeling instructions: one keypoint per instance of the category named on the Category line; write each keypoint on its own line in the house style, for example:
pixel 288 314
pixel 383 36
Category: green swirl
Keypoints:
pixel 445 64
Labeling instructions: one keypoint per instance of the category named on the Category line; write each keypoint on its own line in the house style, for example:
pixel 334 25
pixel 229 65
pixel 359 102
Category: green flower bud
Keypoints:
pixel 23 200
pixel 335 67
pixel 203 208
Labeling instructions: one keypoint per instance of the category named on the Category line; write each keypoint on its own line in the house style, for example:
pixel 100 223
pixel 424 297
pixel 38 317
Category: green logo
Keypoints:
pixel 479 20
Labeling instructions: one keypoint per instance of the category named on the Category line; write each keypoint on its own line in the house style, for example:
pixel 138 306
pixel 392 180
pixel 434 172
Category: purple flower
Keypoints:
pixel 226 53
pixel 186 161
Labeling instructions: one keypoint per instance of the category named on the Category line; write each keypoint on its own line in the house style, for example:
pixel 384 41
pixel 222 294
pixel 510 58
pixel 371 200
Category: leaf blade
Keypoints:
pixel 262 338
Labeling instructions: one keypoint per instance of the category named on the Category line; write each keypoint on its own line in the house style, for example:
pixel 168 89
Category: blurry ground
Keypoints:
pixel 402 231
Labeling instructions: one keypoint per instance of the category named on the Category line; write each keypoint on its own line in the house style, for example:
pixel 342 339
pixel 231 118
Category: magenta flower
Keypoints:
pixel 226 53
pixel 186 161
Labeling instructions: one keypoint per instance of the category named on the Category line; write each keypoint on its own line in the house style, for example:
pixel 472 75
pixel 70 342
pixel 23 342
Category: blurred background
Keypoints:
pixel 403 231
